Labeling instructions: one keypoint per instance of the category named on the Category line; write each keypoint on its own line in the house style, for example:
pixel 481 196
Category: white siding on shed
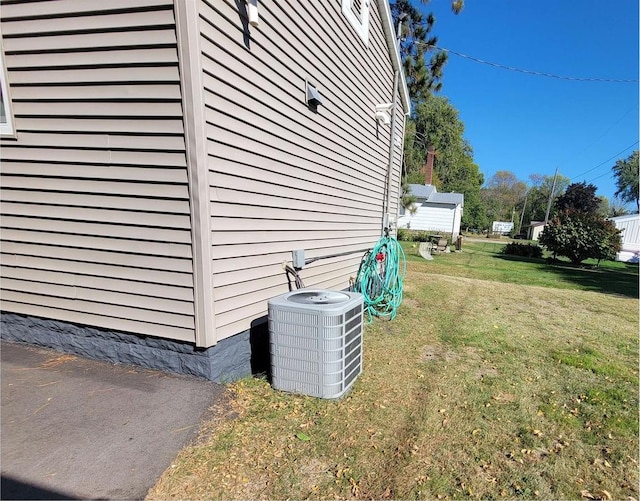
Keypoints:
pixel 95 204
pixel 433 217
pixel 630 226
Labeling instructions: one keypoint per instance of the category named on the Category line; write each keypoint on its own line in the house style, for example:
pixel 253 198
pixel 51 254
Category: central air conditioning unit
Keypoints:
pixel 316 341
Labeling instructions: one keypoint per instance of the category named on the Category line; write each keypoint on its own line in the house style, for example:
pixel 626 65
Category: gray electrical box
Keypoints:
pixel 298 259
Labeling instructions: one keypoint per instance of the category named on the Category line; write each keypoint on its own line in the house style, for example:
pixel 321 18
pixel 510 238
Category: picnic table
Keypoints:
pixel 438 243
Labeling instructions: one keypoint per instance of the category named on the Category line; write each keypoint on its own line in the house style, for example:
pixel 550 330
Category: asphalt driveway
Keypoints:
pixel 74 428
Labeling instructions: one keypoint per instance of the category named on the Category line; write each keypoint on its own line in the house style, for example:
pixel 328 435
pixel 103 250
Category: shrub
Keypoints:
pixel 580 236
pixel 404 234
pixel 523 250
pixel 408 235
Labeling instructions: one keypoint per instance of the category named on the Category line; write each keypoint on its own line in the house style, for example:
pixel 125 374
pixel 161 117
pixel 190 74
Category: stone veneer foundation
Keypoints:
pixel 230 359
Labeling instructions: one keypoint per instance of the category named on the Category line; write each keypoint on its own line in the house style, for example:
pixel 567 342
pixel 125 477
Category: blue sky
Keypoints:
pixel 531 124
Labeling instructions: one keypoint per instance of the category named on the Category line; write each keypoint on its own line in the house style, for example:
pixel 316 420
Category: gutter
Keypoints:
pixel 399 87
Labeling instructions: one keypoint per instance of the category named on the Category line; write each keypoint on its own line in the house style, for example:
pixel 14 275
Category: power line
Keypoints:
pixel 598 177
pixel 602 163
pixel 528 72
pixel 609 129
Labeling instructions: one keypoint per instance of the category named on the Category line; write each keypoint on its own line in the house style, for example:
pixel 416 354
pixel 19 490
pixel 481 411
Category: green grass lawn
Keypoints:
pixel 484 261
pixel 498 379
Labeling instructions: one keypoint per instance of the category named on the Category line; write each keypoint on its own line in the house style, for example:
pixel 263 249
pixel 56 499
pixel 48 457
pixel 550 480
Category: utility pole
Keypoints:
pixel 553 188
pixel 524 206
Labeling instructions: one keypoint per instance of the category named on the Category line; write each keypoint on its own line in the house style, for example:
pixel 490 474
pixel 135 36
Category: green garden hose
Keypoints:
pixel 380 278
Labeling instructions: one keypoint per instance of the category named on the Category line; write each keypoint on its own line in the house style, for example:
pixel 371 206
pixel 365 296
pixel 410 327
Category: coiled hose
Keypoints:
pixel 380 278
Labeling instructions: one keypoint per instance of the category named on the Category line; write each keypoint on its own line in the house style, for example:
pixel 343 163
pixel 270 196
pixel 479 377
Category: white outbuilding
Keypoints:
pixel 630 226
pixel 440 212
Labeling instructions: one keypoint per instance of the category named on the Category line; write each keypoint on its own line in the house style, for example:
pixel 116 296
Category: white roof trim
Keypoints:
pixel 627 217
pixel 390 33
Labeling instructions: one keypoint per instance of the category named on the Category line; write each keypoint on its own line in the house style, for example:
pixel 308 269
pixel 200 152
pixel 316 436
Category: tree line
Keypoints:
pixel 435 125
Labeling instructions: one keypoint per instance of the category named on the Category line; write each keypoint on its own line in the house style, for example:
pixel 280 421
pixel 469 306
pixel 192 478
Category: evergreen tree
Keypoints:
pixel 436 125
pixel 423 63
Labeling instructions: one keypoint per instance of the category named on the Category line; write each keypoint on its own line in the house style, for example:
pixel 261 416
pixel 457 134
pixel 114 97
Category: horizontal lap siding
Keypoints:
pixel 95 203
pixel 431 217
pixel 281 176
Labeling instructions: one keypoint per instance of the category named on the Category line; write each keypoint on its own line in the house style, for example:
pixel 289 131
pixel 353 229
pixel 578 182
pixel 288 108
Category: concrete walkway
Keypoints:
pixel 74 428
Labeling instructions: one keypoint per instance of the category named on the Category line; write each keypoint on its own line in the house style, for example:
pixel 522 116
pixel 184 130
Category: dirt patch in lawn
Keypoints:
pixel 435 353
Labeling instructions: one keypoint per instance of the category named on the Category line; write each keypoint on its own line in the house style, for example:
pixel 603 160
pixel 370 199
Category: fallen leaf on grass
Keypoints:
pixel 303 436
pixel 355 489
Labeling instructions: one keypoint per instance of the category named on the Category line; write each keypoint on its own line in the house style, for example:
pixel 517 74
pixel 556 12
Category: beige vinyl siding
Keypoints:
pixel 95 201
pixel 281 176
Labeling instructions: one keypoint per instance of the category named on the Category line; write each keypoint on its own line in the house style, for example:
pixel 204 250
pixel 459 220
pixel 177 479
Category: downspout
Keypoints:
pixel 386 221
pixel 453 226
pixel 397 213
pixel 386 226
